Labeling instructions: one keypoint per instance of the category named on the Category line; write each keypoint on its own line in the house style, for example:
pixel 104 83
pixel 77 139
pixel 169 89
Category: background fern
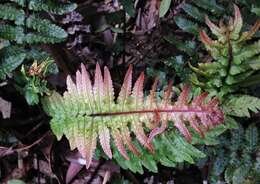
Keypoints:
pixel 24 27
pixel 236 159
pixel 238 164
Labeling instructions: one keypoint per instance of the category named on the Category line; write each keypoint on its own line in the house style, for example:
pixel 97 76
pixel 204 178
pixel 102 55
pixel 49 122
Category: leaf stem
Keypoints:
pixel 189 110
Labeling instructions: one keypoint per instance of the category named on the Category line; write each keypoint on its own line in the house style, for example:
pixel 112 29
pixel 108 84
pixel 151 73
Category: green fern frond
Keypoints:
pixel 12 33
pixel 45 28
pixel 247 52
pixel 210 6
pixel 196 11
pixel 240 105
pixel 8 12
pixel 10 58
pixel 170 149
pixel 237 156
pixel 191 20
pixel 234 60
pixel 4 43
pixel 30 29
pixel 239 174
pixel 19 2
pixel 187 46
pixel 254 63
pixel 36 29
pixel 193 11
pixel 257 166
pixel 251 137
pixel 187 25
pixel 51 6
pixel 37 54
pixel 229 173
pixel 46 32
pixel 255 9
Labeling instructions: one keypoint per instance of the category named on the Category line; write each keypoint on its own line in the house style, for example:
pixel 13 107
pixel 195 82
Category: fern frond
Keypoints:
pixel 193 11
pixel 187 25
pixel 8 12
pixel 234 59
pixel 12 33
pixel 240 105
pixel 252 138
pixel 19 2
pixel 196 11
pixel 52 6
pixel 211 6
pixel 10 58
pixel 240 173
pixel 46 32
pixel 36 38
pixel 170 149
pixel 87 111
pixel 45 27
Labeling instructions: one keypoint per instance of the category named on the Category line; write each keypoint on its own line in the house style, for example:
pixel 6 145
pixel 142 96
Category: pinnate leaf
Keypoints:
pixel 87 113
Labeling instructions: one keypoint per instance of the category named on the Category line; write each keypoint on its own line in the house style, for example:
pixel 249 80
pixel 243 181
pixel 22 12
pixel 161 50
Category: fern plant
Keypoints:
pixel 236 159
pixel 86 112
pixel 234 64
pixel 23 30
pixel 194 13
pixel 31 81
pixel 43 30
pixel 234 59
pixel 189 20
pixel 24 26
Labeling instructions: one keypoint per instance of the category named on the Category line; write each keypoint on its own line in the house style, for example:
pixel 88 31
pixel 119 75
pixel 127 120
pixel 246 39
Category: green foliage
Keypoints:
pixel 187 25
pixel 237 157
pixel 234 63
pixel 240 105
pixel 129 7
pixel 25 29
pixel 234 57
pixel 12 33
pixel 87 112
pixel 46 29
pixel 164 7
pixel 195 13
pixel 8 12
pixel 189 20
pixel 187 46
pixel 170 149
pixel 31 81
pixel 51 6
pixel 256 10
pixel 11 58
pixel 178 65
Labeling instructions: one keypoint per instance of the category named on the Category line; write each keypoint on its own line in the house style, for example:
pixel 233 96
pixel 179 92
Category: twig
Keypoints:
pixel 106 177
pixel 31 145
pixel 34 128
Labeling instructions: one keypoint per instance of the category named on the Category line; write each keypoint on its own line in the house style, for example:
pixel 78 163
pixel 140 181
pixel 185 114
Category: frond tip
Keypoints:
pixel 87 112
